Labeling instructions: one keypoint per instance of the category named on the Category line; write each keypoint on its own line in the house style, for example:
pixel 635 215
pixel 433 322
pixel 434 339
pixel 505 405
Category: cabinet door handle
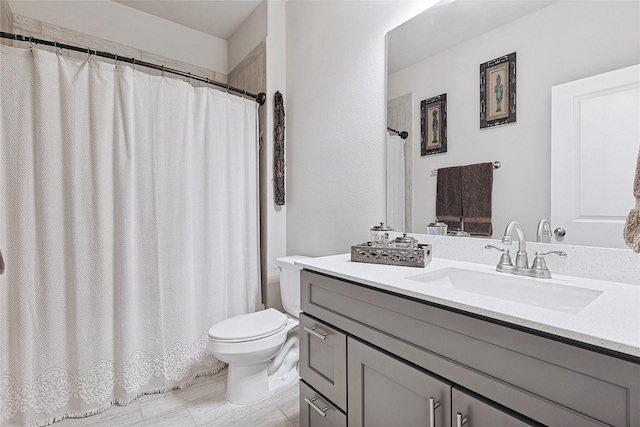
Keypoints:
pixel 460 420
pixel 316 407
pixel 312 331
pixel 433 405
pixel 1 263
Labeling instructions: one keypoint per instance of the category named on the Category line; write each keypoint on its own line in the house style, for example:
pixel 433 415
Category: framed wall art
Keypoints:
pixel 498 91
pixel 433 125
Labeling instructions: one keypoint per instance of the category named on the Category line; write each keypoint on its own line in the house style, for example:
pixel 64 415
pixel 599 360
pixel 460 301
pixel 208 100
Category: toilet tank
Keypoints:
pixel 290 283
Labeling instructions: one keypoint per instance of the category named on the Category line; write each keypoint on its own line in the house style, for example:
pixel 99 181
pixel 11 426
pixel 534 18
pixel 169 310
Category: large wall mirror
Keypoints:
pixel 557 43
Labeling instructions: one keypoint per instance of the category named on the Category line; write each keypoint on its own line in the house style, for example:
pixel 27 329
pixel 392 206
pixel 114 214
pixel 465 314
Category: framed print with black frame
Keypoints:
pixel 498 91
pixel 433 125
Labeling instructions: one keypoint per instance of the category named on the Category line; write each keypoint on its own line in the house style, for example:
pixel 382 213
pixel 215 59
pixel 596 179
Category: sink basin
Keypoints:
pixel 538 293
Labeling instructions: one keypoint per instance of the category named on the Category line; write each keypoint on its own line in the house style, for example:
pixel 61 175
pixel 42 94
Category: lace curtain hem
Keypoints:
pixel 103 382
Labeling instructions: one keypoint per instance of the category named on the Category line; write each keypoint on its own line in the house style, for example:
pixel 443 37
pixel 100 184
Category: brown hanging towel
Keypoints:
pixel 449 196
pixel 477 189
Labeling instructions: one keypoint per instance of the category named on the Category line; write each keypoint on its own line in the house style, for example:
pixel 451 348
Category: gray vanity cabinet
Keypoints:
pixel 323 361
pixel 385 391
pixel 400 353
pixel 318 411
pixel 470 410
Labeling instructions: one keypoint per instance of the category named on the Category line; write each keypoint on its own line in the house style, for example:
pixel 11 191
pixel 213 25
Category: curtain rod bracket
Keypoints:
pixel 402 134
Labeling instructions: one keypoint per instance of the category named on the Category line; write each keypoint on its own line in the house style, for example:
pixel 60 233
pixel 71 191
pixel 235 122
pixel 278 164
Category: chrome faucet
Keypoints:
pixel 544 231
pixel 538 269
pixel 521 255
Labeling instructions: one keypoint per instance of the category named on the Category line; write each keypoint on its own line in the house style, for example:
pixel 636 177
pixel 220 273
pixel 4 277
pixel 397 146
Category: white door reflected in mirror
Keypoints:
pixel 595 137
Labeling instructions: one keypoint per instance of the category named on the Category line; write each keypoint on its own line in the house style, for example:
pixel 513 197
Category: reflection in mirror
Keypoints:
pixel 440 51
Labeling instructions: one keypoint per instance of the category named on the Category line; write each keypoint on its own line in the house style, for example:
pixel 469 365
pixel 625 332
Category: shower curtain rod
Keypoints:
pixel 402 134
pixel 260 98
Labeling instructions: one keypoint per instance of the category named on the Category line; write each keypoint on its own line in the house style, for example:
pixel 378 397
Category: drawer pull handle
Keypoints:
pixel 460 420
pixel 316 407
pixel 433 405
pixel 312 331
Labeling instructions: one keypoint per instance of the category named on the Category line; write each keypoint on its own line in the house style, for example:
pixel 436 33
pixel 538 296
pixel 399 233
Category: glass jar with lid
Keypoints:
pixel 437 228
pixel 405 242
pixel 380 235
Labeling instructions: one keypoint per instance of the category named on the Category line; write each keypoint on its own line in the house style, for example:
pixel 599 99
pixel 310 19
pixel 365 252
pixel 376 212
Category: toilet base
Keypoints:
pixel 247 384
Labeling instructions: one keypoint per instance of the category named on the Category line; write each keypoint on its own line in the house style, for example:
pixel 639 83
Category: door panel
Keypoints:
pixel 480 413
pixel 384 391
pixel 595 136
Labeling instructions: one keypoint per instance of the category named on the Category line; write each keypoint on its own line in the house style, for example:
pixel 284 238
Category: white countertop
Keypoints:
pixel 611 320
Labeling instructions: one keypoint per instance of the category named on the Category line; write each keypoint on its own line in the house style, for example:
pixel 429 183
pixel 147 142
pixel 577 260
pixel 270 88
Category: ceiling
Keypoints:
pixel 219 18
pixel 448 24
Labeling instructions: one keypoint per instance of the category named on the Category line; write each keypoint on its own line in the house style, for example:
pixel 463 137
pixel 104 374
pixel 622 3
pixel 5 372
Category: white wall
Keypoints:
pixel 118 23
pixel 276 216
pixel 6 17
pixel 563 42
pixel 336 132
pixel 249 35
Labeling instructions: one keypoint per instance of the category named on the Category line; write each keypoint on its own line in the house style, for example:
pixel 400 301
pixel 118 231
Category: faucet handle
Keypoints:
pixel 505 259
pixel 561 254
pixel 539 264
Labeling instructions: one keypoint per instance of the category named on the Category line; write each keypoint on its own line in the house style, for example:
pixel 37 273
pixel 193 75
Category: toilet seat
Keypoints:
pixel 249 327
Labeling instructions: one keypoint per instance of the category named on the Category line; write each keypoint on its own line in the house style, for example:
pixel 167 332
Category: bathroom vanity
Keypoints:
pixel 401 346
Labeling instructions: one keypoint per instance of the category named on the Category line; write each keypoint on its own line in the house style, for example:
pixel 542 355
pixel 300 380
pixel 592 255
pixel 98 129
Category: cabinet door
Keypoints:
pixel 323 359
pixel 385 391
pixel 316 411
pixel 470 410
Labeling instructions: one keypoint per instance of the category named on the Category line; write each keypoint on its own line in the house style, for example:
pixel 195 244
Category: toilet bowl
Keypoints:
pixel 262 361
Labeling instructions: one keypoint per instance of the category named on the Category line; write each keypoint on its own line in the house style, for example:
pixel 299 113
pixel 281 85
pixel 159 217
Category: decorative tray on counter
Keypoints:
pixel 408 257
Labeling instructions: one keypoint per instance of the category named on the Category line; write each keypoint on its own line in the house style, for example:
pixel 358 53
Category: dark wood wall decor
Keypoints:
pixel 278 149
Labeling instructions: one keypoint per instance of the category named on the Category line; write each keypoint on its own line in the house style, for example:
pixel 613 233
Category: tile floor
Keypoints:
pixel 200 404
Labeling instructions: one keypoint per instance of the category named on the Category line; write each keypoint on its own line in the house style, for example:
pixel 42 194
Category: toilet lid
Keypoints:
pixel 250 326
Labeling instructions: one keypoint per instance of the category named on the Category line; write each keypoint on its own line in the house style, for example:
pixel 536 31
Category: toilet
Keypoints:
pixel 262 361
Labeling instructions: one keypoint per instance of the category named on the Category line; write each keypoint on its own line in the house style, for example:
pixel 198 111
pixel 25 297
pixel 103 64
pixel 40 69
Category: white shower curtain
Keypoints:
pixel 395 183
pixel 128 225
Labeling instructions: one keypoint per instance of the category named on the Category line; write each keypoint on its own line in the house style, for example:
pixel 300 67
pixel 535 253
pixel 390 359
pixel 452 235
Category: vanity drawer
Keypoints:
pixel 323 359
pixel 316 411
